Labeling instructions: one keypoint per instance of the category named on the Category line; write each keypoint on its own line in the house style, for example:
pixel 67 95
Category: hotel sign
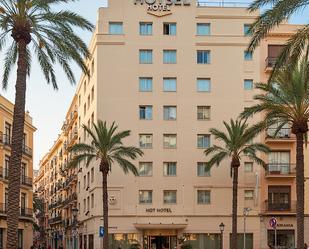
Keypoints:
pixel 162 5
pixel 158 210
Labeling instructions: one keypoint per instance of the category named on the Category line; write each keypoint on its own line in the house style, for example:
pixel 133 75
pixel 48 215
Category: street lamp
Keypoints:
pixel 221 226
pixel 246 213
pixel 74 212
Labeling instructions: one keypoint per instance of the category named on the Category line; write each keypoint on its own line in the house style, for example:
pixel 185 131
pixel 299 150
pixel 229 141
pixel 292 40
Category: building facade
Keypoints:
pixel 169 71
pixel 25 227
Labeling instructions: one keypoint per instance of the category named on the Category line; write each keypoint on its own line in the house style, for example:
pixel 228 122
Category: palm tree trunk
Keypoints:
pixel 104 169
pixel 16 148
pixel 300 185
pixel 234 208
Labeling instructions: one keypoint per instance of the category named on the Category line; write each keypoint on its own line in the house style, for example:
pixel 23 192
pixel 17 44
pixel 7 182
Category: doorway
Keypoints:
pixel 285 239
pixel 162 242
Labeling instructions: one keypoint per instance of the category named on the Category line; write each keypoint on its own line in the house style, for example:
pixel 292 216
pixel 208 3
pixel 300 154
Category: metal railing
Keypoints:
pixel 26 180
pixel 271 206
pixel 280 169
pixel 55 220
pixel 26 212
pixel 270 62
pixel 6 140
pixel 282 133
pixel 223 4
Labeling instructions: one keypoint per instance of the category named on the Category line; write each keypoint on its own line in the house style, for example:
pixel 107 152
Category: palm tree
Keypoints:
pixel 236 143
pixel 280 11
pixel 33 22
pixel 286 101
pixel 106 148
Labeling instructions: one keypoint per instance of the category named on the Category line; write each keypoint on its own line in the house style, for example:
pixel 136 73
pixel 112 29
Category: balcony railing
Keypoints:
pixel 25 212
pixel 270 62
pixel 283 133
pixel 280 169
pixel 71 198
pixel 55 220
pixel 271 206
pixel 25 180
pixel 6 140
pixel 224 4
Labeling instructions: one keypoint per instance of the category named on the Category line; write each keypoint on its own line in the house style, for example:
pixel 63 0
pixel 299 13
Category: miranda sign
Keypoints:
pixel 162 5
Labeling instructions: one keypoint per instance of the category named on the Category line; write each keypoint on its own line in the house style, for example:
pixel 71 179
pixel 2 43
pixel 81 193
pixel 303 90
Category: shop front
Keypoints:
pixel 285 239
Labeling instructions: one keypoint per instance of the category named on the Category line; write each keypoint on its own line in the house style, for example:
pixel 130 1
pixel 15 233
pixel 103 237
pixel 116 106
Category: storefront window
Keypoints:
pixel 124 241
pixel 285 239
pixel 203 240
pixel 240 240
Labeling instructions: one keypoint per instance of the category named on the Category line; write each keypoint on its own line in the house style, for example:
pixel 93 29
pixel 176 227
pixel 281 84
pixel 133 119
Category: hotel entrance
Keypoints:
pixel 161 242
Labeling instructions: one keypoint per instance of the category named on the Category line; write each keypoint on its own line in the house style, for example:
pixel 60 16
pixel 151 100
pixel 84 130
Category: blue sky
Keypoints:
pixel 48 107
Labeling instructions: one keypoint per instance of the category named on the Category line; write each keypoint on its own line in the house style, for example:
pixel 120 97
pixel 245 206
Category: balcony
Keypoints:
pixel 283 135
pixel 55 220
pixel 280 170
pixel 55 204
pixel 278 208
pixel 24 180
pixel 70 199
pixel 6 140
pixel 27 181
pixel 23 212
pixel 270 62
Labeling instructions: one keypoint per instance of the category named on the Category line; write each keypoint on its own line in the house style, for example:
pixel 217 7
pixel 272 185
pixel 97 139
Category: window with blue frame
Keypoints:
pixel 169 56
pixel 203 57
pixel 203 85
pixel 169 28
pixel 145 112
pixel 248 55
pixel 248 84
pixel 247 30
pixel 169 84
pixel 145 84
pixel 115 28
pixel 203 141
pixel 145 28
pixel 203 28
pixel 145 56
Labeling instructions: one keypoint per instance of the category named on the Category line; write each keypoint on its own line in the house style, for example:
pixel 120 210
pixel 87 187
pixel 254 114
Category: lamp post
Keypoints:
pixel 221 226
pixel 246 213
pixel 74 212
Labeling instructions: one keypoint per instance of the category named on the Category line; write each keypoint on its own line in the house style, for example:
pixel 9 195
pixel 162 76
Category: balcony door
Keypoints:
pixel 23 203
pixel 279 198
pixel 279 161
pixel 7 133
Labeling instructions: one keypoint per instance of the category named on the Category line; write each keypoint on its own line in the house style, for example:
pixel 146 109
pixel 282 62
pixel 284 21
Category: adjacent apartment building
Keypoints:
pixel 169 71
pixel 25 226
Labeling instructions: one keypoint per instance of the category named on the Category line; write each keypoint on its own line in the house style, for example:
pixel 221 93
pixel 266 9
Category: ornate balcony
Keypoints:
pixel 271 207
pixel 55 220
pixel 283 135
pixel 6 140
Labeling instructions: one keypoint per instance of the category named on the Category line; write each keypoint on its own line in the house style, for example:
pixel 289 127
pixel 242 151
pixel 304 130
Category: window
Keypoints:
pixel 169 56
pixel 169 84
pixel 145 141
pixel 145 169
pixel 249 194
pixel 203 57
pixel 145 112
pixel 6 166
pixel 88 179
pixel 85 109
pixel 169 112
pixel 115 28
pixel 169 169
pixel 92 119
pixel 85 86
pixel 92 174
pixel 88 203
pixel 248 84
pixel 92 68
pixel 248 166
pixel 203 197
pixel 79 100
pixel 203 85
pixel 169 28
pixel 203 112
pixel 203 28
pixel 169 196
pixel 145 84
pixel 248 55
pixel 202 169
pixel 145 196
pixel 145 28
pixel 20 238
pixel 78 186
pixel 247 30
pixel 203 141
pixel 7 133
pixel 145 56
pixel 88 101
pixel 92 200
pixel 84 181
pixel 169 141
pixel 249 239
